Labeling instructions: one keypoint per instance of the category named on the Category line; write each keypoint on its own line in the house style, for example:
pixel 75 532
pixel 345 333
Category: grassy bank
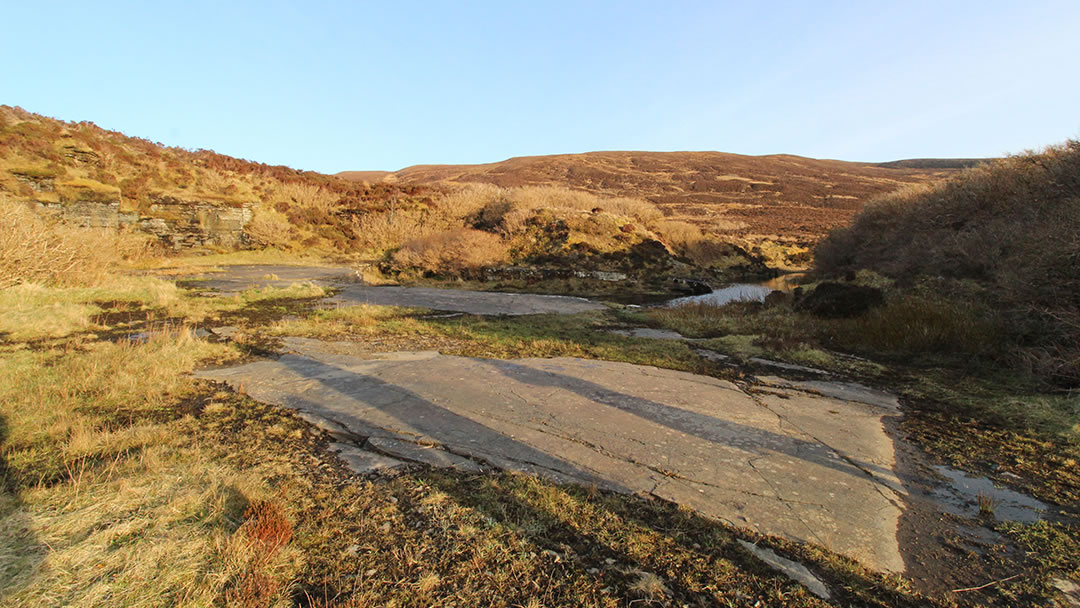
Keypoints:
pixel 1003 234
pixel 128 483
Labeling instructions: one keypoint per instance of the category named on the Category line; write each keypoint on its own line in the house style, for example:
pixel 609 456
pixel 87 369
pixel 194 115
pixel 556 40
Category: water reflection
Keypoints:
pixel 742 292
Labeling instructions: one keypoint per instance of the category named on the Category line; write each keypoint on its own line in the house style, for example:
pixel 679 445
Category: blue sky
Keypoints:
pixel 333 86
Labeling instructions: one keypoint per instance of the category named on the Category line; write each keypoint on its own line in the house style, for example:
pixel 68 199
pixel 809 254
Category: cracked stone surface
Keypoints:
pixel 648 332
pixel 234 279
pixel 802 465
pixel 846 391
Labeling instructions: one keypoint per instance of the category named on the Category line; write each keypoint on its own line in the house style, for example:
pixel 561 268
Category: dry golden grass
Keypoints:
pixel 35 250
pixel 452 253
pixel 115 504
pixel 307 196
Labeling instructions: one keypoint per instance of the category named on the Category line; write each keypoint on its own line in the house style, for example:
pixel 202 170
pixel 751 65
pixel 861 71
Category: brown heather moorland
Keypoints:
pixel 781 195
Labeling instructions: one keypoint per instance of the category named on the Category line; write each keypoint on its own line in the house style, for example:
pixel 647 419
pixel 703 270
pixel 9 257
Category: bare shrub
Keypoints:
pixel 453 253
pixel 268 527
pixel 306 196
pixel 256 544
pixel 390 229
pixel 270 227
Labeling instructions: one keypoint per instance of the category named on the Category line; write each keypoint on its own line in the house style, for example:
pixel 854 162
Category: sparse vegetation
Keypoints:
pixel 50 161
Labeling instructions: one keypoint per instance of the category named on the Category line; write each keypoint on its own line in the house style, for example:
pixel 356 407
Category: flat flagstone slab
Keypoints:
pixel 234 279
pixel 460 300
pixel 803 465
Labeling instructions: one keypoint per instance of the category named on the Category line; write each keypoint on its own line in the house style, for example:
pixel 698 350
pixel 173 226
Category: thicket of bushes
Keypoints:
pixel 486 225
pixel 1007 233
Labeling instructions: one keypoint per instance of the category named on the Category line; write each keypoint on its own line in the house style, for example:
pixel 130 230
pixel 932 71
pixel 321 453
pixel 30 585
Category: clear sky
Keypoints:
pixel 333 86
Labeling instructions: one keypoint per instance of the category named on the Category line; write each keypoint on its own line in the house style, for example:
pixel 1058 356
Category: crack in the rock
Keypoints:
pixel 715 384
pixel 874 481
pixel 787 503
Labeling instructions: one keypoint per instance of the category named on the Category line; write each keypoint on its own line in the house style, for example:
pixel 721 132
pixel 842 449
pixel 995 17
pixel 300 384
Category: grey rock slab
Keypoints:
pixel 225 332
pixel 460 300
pixel 648 332
pixel 1070 591
pixel 363 461
pixel 788 366
pixel 234 279
pixel 962 493
pixel 755 461
pixel 846 391
pixel 792 569
pixel 712 355
pixel 427 454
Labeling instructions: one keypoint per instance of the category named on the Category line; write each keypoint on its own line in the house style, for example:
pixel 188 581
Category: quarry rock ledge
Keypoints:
pixel 805 466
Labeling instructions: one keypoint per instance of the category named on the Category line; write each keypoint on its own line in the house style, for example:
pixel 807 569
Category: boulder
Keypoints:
pixel 840 300
pixel 777 298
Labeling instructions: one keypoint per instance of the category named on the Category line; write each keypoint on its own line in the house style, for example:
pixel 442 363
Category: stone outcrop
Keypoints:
pixel 178 224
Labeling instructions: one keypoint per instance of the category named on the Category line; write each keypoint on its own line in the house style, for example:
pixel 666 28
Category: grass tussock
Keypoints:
pixel 913 325
pixel 1010 227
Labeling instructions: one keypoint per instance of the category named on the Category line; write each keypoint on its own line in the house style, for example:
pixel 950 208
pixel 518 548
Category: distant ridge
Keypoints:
pixel 934 163
pixel 779 194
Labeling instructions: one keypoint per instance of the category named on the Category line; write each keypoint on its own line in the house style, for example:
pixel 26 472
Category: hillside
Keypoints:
pixel 1002 234
pixel 781 195
pixel 198 199
pixel 92 176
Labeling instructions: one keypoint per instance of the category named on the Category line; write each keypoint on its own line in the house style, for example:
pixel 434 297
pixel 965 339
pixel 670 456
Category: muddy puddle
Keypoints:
pixel 968 496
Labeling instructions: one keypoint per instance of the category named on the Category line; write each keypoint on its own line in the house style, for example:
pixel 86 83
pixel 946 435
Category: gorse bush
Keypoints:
pixel 1012 226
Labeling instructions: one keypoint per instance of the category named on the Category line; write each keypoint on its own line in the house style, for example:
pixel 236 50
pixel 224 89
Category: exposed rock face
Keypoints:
pixel 37 183
pixel 527 272
pixel 178 224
